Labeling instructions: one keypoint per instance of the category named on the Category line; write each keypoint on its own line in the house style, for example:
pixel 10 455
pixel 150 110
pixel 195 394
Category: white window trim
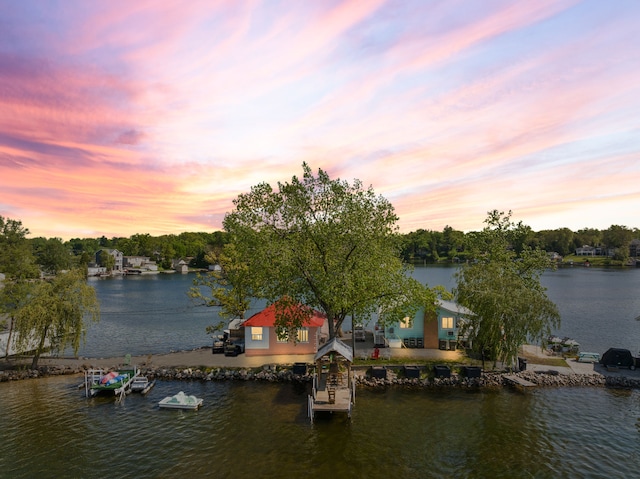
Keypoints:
pixel 257 334
pixel 449 320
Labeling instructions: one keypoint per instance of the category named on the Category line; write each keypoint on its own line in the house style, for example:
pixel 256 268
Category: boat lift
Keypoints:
pixel 118 385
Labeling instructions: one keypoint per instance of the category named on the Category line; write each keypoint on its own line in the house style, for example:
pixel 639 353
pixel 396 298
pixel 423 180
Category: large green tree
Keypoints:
pixel 54 315
pixel 326 244
pixel 559 240
pixel 229 286
pixel 17 261
pixel 618 238
pixel 502 288
pixel 51 254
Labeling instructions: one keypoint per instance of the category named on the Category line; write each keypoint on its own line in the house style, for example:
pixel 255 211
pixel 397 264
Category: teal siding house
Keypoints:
pixel 439 331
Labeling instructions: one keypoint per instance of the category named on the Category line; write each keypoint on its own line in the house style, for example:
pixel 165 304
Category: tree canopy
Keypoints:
pixel 16 255
pixel 51 254
pixel 501 286
pixel 326 244
pixel 42 313
pixel 230 285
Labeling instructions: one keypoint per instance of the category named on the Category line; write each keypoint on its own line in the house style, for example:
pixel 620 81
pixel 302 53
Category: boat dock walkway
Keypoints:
pixel 338 400
pixel 518 381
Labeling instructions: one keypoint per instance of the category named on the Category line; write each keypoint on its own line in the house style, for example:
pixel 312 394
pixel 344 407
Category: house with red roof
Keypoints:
pixel 261 338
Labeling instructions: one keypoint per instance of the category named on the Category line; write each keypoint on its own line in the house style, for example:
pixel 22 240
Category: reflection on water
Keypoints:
pixel 261 430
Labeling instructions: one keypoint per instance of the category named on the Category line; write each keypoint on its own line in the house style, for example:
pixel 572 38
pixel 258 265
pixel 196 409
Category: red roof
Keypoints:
pixel 267 318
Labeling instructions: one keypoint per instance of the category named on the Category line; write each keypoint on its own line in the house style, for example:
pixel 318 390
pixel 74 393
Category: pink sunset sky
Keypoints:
pixel 120 117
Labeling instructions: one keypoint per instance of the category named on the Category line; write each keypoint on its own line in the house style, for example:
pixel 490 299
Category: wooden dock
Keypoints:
pixel 340 401
pixel 331 398
pixel 334 389
pixel 518 381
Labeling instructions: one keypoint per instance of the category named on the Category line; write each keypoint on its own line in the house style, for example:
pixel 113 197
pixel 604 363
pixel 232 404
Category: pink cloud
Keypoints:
pixel 155 116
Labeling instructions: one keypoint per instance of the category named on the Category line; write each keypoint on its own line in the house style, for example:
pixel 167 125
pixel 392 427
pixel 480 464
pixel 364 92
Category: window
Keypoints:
pixel 256 333
pixel 406 323
pixel 447 323
pixel 303 335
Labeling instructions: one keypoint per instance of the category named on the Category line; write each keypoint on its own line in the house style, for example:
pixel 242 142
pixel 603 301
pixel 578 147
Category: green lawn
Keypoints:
pixel 593 260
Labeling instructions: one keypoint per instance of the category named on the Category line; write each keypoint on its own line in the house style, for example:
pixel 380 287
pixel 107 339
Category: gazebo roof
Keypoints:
pixel 335 346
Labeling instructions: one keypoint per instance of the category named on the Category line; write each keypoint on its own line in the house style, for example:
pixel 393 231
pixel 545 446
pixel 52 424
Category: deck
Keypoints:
pixel 331 394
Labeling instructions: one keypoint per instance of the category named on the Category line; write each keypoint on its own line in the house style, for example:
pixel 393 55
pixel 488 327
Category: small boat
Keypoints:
pixel 181 401
pixel 142 385
pixel 114 383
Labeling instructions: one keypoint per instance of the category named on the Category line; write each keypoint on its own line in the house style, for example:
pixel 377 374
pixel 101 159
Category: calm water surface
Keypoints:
pixel 152 314
pixel 50 430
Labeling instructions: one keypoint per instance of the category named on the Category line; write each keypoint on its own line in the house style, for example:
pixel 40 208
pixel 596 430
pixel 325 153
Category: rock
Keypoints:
pixel 273 373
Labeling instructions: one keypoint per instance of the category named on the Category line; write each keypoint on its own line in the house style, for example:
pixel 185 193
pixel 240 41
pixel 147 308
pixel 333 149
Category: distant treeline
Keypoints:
pixel 53 254
pixel 418 246
pixel 450 245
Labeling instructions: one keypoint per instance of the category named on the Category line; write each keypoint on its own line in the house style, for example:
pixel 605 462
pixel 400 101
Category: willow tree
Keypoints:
pixel 326 244
pixel 54 315
pixel 18 264
pixel 502 288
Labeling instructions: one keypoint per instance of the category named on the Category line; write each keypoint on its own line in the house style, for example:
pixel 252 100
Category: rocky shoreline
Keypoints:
pixel 363 377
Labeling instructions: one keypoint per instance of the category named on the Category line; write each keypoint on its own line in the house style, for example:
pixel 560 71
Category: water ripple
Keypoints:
pixel 261 430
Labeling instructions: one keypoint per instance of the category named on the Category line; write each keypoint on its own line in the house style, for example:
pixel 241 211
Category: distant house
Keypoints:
pixel 261 338
pixel 180 265
pixel 634 248
pixel 432 331
pixel 135 261
pixel 554 256
pixel 118 267
pixel 94 270
pixel 141 263
pixel 586 250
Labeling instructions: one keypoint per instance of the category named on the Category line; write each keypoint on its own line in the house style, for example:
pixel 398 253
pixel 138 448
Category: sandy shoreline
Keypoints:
pixel 197 358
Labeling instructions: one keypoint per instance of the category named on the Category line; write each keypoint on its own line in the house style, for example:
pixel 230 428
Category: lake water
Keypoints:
pixel 50 430
pixel 152 314
pixel 598 306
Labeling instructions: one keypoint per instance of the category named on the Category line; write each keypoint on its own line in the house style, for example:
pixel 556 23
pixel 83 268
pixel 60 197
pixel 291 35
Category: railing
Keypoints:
pixel 91 377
